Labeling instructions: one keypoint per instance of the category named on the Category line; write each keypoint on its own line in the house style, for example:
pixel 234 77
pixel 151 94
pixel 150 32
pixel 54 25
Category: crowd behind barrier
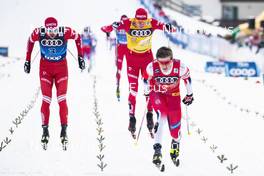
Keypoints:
pixel 202 42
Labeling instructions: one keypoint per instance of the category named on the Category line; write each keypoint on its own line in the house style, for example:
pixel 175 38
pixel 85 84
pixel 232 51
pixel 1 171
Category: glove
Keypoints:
pixel 107 34
pixel 27 67
pixel 188 99
pixel 168 27
pixel 116 24
pixel 81 63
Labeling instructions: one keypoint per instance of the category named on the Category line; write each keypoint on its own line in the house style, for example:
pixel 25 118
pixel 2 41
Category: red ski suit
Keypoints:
pixel 139 55
pixel 53 67
pixel 165 94
pixel 120 50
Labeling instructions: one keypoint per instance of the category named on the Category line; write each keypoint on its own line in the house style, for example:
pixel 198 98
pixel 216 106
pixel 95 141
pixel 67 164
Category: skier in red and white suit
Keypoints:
pixel 53 68
pixel 121 50
pixel 165 74
pixel 139 32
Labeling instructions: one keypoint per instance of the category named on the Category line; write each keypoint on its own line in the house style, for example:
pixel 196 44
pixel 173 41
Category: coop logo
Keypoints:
pixel 57 58
pixel 241 69
pixel 141 33
pixel 242 72
pixel 51 42
pixel 166 80
pixel 215 69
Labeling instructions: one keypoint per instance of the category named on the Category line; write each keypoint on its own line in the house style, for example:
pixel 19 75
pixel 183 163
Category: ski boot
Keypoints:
pixel 150 123
pixel 64 137
pixel 174 152
pixel 132 125
pixel 118 93
pixel 156 126
pixel 157 157
pixel 45 137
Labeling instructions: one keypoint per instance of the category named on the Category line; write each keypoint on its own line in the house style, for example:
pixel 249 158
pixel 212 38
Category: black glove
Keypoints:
pixel 107 34
pixel 27 67
pixel 81 63
pixel 168 27
pixel 188 99
pixel 116 25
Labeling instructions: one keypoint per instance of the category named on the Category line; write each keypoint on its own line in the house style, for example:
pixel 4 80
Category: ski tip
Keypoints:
pixel 162 169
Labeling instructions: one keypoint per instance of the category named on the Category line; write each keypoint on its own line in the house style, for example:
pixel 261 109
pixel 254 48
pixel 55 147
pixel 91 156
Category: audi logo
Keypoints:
pixel 51 42
pixel 141 33
pixel 166 80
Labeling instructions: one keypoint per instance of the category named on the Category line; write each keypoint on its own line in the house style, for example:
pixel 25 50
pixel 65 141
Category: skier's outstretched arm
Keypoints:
pixel 162 26
pixel 107 29
pixel 185 75
pixel 30 45
pixel 123 24
pixel 71 34
pixel 31 41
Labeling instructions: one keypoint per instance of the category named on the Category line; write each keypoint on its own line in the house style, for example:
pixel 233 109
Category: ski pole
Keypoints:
pixel 35 57
pixel 187 120
pixel 168 40
pixel 72 54
pixel 139 131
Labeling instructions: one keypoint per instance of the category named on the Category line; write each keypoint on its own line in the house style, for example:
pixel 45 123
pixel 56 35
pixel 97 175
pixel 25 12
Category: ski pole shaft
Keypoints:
pixel 72 54
pixel 187 121
pixel 139 131
pixel 168 40
pixel 33 60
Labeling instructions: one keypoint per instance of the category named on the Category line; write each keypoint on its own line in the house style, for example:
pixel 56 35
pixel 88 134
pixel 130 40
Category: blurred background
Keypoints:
pixel 221 41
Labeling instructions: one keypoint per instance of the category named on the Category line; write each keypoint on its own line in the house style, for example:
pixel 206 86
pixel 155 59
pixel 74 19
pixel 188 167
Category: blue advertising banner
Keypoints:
pixel 241 69
pixel 215 67
pixel 4 51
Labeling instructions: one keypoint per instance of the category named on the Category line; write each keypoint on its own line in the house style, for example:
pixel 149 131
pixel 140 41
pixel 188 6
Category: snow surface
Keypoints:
pixel 228 112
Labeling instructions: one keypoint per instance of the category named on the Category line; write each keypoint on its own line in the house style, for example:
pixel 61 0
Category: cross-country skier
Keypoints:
pixel 139 34
pixel 121 50
pixel 164 74
pixel 89 42
pixel 53 69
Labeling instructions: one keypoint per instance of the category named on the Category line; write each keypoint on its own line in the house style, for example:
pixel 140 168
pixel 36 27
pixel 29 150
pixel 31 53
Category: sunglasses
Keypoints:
pixel 52 30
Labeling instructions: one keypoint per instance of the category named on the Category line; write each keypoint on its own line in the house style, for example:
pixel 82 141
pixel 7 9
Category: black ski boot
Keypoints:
pixel 156 126
pixel 45 136
pixel 174 152
pixel 157 157
pixel 64 137
pixel 132 125
pixel 157 154
pixel 150 123
pixel 118 93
